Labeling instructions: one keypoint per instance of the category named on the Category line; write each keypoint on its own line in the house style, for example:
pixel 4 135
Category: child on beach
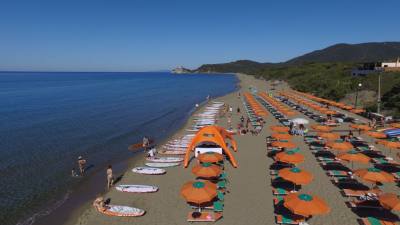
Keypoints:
pixel 110 177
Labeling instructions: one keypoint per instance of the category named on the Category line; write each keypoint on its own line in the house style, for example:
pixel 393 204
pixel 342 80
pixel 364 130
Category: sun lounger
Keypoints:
pixel 204 217
pixel 375 221
pixel 338 180
pixel 338 173
pixel 360 193
pixel 280 191
pixel 280 219
pixel 221 184
pixel 277 199
pixel 396 175
pixel 374 204
pixel 326 159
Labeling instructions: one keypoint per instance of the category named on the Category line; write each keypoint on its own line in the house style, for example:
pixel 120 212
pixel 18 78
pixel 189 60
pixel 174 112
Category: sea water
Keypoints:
pixel 49 119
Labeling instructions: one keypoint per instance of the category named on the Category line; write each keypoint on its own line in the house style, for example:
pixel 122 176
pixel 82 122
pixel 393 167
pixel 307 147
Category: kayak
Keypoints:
pixel 171 152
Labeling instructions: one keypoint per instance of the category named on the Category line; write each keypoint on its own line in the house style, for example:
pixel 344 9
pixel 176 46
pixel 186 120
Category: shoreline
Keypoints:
pixel 80 198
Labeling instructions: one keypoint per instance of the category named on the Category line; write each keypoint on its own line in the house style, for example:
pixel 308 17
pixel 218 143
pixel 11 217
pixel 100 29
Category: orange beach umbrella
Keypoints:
pixel 390 201
pixel 280 136
pixel 211 157
pixel 282 144
pixel 289 157
pixel 279 128
pixel 321 128
pixel 375 134
pixel 391 144
pixel 331 136
pixel 199 191
pixel 206 170
pixel 305 205
pixel 354 156
pixel 296 175
pixel 374 175
pixel 340 146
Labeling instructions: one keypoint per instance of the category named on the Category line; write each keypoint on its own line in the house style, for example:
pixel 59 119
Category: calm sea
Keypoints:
pixel 48 119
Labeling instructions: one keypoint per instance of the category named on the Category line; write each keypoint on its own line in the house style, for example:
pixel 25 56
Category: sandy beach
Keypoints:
pixel 249 198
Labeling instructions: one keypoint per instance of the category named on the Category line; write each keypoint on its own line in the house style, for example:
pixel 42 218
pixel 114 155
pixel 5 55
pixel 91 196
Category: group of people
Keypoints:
pixel 294 130
pixel 82 166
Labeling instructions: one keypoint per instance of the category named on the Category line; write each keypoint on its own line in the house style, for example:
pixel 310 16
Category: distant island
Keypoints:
pixel 181 70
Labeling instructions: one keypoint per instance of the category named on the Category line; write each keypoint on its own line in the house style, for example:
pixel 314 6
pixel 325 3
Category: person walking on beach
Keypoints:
pixel 146 143
pixel 110 177
pixel 81 165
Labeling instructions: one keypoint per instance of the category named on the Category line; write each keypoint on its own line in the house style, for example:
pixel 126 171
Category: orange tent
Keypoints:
pixel 390 201
pixel 289 157
pixel 374 175
pixel 199 191
pixel 305 205
pixel 295 175
pixel 206 170
pixel 208 134
pixel 211 157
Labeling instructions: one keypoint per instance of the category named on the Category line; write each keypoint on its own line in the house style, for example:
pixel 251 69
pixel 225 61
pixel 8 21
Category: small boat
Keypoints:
pixel 123 211
pixel 136 188
pixel 161 165
pixel 164 159
pixel 148 170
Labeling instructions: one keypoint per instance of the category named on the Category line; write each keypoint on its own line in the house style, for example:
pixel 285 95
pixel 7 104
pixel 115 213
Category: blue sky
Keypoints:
pixel 145 35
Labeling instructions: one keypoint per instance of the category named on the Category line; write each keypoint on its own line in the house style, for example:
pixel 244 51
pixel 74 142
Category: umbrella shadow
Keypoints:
pixel 373 154
pixel 280 209
pixel 335 166
pixel 388 167
pixel 118 179
pixel 352 185
pixel 279 182
pixel 326 154
pixel 379 213
pixel 279 165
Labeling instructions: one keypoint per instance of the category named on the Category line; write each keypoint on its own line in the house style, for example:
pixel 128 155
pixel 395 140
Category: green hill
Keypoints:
pixel 327 72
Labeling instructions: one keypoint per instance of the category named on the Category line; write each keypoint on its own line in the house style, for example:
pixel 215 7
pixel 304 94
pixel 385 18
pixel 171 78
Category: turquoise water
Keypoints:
pixel 48 119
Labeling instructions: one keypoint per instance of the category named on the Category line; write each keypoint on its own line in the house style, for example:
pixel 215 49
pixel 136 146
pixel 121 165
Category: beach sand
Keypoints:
pixel 249 199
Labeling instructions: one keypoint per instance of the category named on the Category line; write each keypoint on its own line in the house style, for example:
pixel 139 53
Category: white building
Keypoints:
pixel 392 64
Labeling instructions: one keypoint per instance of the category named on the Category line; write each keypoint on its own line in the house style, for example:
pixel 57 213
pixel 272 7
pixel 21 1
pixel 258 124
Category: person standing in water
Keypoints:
pixel 81 164
pixel 110 177
pixel 146 143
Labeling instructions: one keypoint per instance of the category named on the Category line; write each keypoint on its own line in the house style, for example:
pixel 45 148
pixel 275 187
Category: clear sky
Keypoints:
pixel 145 35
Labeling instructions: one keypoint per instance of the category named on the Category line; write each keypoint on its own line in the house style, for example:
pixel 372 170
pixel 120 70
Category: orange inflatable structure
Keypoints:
pixel 210 134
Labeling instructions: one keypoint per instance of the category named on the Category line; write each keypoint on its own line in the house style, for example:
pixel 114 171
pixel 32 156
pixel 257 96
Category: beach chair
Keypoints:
pixel 220 196
pixel 281 191
pixel 360 193
pixel 218 206
pixel 366 204
pixel 204 217
pixel 327 159
pixel 221 184
pixel 277 199
pixel 375 221
pixel 280 219
pixel 337 173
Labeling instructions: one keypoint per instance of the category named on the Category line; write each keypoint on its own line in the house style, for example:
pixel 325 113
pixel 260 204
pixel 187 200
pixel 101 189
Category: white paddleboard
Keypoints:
pixel 124 211
pixel 161 165
pixel 164 159
pixel 171 152
pixel 148 170
pixel 136 188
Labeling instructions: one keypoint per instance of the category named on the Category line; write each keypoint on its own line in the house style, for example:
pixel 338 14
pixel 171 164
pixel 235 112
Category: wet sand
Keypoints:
pixel 249 197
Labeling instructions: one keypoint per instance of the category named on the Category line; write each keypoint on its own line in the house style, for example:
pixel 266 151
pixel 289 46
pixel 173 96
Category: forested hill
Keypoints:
pixel 345 53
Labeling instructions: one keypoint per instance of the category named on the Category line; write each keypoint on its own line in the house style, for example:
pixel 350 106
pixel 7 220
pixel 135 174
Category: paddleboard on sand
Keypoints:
pixel 161 165
pixel 164 159
pixel 125 211
pixel 172 152
pixel 148 170
pixel 136 188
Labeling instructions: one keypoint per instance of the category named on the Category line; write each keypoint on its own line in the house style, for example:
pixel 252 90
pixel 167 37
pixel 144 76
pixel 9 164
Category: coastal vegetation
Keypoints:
pixel 327 73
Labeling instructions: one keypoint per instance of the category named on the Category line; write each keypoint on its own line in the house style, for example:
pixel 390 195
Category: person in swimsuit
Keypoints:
pixel 81 164
pixel 99 204
pixel 110 177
